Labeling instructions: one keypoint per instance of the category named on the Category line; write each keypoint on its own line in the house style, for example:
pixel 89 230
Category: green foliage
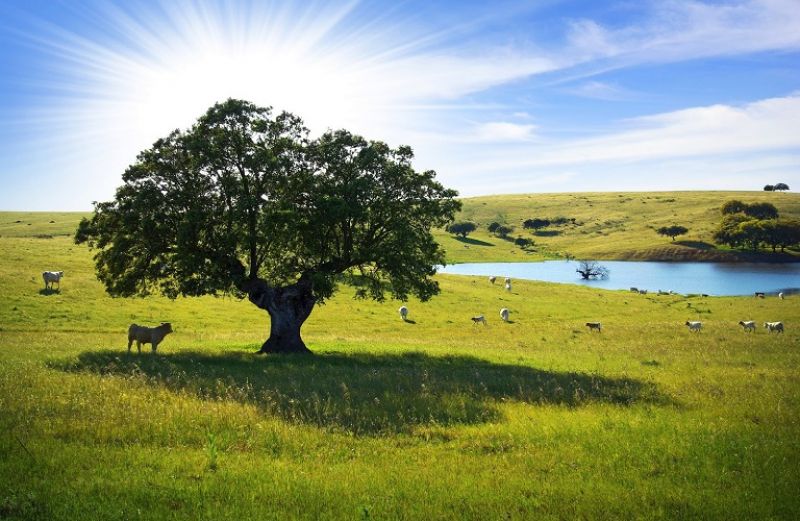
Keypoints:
pixel 493 226
pixel 733 206
pixel 769 188
pixel 523 242
pixel 502 231
pixel 535 224
pixel 244 195
pixel 742 231
pixel 780 187
pixel 761 211
pixel 461 228
pixel 672 231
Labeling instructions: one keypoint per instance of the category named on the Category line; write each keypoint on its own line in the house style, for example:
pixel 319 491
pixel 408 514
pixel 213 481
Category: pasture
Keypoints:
pixel 434 418
pixel 608 226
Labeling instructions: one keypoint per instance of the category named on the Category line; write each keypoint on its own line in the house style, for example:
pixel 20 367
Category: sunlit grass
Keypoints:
pixel 435 418
pixel 607 225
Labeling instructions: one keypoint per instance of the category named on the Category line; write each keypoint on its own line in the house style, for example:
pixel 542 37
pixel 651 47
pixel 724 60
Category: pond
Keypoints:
pixel 712 278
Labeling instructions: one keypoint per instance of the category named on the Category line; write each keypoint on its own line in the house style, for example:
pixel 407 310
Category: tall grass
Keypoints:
pixel 537 418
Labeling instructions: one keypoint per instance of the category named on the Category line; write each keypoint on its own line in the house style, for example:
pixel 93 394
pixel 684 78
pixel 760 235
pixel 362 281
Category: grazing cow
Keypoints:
pixel 504 314
pixel 774 326
pixel 478 319
pixel 52 277
pixel 508 285
pixel 147 335
pixel 403 313
pixel 508 280
pixel 643 292
pixel 758 294
pixel 780 295
pixel 595 326
pixel 694 325
pixel 748 325
pixel 492 279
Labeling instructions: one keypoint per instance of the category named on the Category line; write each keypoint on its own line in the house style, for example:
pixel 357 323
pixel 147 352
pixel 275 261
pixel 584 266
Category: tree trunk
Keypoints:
pixel 288 308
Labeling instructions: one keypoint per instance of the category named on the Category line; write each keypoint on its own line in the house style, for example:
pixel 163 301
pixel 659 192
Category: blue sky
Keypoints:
pixel 497 97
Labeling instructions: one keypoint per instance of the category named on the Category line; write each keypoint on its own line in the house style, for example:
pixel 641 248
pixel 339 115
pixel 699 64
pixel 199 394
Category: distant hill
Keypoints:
pixel 608 225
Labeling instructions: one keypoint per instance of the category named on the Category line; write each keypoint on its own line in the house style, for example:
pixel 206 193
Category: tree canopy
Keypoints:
pixel 244 202
pixel 462 228
pixel 672 231
pixel 780 187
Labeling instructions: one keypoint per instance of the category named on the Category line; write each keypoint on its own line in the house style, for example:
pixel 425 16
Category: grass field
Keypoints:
pixel 618 226
pixel 433 419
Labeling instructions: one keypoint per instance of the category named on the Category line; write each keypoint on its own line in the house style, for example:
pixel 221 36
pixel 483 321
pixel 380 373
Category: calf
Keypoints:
pixel 748 325
pixel 694 325
pixel 148 335
pixel 594 326
pixel 478 320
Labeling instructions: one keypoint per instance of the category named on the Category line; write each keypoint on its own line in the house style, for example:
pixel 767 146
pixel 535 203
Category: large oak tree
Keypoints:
pixel 245 203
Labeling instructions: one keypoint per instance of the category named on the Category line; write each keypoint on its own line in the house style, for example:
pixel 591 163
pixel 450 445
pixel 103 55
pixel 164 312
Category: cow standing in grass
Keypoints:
pixel 52 277
pixel 147 335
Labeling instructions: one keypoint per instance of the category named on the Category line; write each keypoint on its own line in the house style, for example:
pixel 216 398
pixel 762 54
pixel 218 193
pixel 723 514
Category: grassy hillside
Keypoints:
pixel 433 419
pixel 611 226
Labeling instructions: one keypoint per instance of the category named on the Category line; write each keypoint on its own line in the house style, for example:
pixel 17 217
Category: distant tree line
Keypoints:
pixel 541 222
pixel 778 187
pixel 751 226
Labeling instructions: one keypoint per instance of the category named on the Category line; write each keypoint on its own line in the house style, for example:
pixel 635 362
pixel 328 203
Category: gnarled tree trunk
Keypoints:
pixel 288 308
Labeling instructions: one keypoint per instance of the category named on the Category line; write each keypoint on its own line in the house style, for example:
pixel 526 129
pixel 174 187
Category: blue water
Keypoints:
pixel 681 277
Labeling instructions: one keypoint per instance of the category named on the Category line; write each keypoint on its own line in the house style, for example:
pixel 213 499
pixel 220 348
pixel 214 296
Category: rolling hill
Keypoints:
pixel 608 226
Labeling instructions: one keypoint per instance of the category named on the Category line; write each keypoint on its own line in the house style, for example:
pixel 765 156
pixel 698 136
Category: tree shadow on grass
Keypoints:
pixel 367 393
pixel 698 245
pixel 474 242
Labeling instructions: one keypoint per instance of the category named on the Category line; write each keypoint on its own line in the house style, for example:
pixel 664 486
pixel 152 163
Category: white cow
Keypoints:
pixel 403 313
pixel 508 285
pixel 504 314
pixel 492 279
pixel 479 320
pixel 780 295
pixel 748 325
pixel 508 280
pixel 694 325
pixel 52 277
pixel 774 326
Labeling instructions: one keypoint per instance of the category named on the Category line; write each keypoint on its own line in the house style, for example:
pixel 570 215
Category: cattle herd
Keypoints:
pixel 693 325
pixel 155 335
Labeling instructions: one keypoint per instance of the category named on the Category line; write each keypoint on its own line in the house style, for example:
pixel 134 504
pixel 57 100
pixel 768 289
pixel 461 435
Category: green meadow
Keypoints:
pixel 435 418
pixel 610 225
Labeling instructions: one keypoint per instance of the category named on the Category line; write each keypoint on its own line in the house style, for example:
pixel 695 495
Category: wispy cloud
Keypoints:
pixel 603 91
pixel 770 124
pixel 681 30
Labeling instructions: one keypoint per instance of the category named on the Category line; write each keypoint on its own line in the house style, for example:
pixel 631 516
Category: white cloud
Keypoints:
pixel 771 124
pixel 504 131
